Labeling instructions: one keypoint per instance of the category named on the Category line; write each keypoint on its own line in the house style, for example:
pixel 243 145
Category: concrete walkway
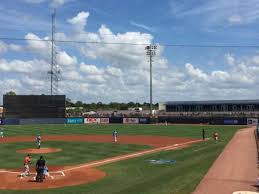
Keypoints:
pixel 235 169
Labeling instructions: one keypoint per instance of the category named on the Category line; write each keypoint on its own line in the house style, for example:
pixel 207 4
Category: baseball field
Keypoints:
pixel 87 160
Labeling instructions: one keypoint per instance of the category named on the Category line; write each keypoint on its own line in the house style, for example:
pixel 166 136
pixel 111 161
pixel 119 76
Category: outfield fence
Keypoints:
pixel 132 120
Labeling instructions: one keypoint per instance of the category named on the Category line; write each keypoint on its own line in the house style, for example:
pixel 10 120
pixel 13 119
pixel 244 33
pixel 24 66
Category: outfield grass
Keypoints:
pixel 159 130
pixel 136 176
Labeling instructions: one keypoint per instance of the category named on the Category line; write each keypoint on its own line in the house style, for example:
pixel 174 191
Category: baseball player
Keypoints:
pixel 216 136
pixel 115 136
pixel 27 163
pixel 2 132
pixel 46 171
pixel 38 140
pixel 203 134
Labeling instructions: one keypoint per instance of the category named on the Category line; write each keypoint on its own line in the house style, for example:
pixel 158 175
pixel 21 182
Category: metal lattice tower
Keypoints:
pixel 54 68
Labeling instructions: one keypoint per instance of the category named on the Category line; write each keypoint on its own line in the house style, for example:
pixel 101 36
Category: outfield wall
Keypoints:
pixel 42 121
pixel 132 120
pixel 205 120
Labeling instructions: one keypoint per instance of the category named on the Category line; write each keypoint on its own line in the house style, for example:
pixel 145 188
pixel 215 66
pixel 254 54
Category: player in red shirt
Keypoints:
pixel 27 163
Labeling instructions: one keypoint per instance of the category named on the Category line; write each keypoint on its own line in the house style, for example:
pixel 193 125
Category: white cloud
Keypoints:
pixel 113 71
pixel 230 59
pixel 235 19
pixel 79 22
pixel 9 47
pixel 3 47
pixel 218 12
pixel 64 59
pixel 33 82
pixel 145 27
pixel 20 66
pixel 255 60
pixel 195 72
pixel 121 72
pixel 117 55
pixel 15 66
pixel 34 1
pixel 90 69
pixel 58 3
pixel 220 75
pixel 37 44
pixel 10 85
pixel 72 75
pixel 52 3
pixel 15 47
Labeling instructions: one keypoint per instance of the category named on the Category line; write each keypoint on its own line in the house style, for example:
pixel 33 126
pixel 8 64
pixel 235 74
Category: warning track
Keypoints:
pixel 235 169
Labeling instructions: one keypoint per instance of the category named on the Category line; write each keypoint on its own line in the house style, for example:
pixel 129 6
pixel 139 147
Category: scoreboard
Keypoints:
pixel 34 106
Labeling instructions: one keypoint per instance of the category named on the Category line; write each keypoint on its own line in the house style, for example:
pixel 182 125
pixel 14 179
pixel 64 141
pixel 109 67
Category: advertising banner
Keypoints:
pixel 252 121
pixel 116 120
pixel 105 120
pixel 11 121
pixel 91 120
pixel 143 121
pixel 34 121
pixel 131 120
pixel 75 120
pixel 230 121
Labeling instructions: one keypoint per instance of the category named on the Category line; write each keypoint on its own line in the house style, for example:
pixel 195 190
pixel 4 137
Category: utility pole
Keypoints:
pixel 151 51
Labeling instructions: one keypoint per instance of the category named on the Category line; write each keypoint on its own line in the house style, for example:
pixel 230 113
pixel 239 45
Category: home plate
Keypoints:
pixel 245 192
pixel 176 144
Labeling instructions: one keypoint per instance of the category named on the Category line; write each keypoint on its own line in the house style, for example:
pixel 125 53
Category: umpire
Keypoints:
pixel 40 169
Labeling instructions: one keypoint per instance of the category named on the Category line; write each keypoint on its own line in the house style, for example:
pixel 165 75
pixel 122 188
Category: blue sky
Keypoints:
pixel 108 73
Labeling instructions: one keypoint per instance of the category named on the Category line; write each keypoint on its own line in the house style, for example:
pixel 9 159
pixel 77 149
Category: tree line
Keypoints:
pixel 109 106
pixel 103 106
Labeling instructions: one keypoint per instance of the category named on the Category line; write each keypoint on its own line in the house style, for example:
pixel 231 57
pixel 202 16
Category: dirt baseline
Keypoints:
pixel 39 151
pixel 154 141
pixel 84 173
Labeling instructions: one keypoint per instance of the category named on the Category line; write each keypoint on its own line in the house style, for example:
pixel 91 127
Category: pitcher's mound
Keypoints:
pixel 39 151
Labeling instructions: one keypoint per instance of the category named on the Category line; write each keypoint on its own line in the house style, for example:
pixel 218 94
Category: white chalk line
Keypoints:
pixel 117 158
pixel 128 156
pixel 57 173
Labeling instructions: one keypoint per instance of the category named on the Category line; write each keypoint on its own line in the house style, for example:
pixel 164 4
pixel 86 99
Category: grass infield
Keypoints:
pixel 133 176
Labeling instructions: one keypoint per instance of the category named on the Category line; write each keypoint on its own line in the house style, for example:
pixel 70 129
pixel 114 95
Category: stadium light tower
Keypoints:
pixel 151 52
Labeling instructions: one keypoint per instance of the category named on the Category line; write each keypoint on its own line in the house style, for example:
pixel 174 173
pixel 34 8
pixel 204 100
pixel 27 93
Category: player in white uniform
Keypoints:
pixel 1 132
pixel 38 140
pixel 46 171
pixel 115 136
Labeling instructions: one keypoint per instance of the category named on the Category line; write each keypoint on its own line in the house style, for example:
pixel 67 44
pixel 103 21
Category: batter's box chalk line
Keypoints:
pixel 58 173
pixel 52 175
pixel 21 175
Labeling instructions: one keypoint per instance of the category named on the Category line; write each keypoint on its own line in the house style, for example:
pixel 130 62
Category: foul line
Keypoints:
pixel 128 156
pixel 60 173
